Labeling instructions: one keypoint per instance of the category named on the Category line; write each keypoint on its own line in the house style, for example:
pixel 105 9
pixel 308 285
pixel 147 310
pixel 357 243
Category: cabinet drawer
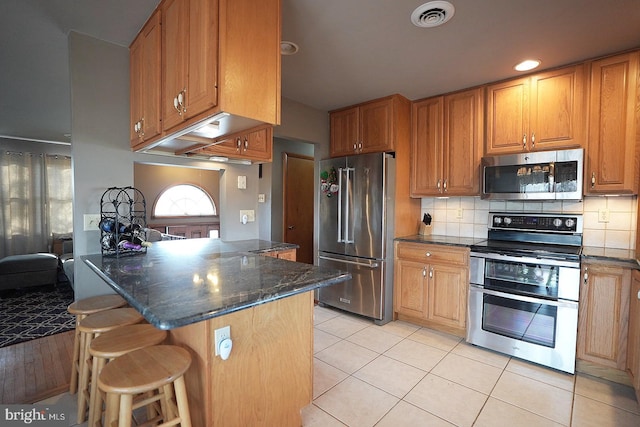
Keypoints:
pixel 432 253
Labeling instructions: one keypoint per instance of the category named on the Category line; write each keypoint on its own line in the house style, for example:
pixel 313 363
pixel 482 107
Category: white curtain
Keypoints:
pixel 35 201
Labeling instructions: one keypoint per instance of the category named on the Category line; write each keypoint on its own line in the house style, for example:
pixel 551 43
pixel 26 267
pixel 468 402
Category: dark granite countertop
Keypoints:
pixel 621 257
pixel 441 240
pixel 180 282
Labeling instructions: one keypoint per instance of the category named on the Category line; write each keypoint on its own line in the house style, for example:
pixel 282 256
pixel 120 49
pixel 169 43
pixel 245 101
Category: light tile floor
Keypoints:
pixel 402 375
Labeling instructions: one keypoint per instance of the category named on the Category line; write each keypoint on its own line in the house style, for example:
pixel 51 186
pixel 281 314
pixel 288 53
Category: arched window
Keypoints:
pixel 184 200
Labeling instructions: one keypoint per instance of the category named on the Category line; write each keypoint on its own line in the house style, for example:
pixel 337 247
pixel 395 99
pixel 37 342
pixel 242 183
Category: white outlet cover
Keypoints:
pixel 242 182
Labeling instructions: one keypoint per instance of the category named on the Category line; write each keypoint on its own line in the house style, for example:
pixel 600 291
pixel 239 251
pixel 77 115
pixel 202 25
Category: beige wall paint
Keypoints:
pixel 152 180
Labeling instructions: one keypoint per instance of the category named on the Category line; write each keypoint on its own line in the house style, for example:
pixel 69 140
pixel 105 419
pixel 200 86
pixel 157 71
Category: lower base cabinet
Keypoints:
pixel 633 349
pixel 431 284
pixel 604 315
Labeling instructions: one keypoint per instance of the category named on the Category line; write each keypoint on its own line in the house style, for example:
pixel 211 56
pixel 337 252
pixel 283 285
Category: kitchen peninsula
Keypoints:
pixel 193 287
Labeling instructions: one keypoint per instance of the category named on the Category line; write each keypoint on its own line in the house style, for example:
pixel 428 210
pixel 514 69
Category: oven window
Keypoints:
pixel 552 177
pixel 524 321
pixel 522 278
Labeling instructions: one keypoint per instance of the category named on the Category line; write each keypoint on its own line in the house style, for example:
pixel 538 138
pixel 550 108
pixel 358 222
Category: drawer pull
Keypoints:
pixel 428 254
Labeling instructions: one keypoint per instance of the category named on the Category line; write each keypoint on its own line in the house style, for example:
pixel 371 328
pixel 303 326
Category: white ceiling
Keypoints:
pixel 350 50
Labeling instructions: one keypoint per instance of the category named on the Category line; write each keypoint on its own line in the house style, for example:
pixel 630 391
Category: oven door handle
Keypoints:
pixel 558 303
pixel 527 260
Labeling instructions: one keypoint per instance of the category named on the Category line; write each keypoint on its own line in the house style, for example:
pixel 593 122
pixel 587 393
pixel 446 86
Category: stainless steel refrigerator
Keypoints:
pixel 356 233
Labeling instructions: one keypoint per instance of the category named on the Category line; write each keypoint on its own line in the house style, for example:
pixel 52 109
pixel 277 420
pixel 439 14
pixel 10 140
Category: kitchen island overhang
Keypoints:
pixel 180 282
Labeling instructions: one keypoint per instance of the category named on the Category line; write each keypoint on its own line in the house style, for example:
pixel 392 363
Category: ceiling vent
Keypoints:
pixel 432 14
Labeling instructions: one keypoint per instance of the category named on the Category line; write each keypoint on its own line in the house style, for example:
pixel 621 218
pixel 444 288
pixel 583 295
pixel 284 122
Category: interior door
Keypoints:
pixel 298 204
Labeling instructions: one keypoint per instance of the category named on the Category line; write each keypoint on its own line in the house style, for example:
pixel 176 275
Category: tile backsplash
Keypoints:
pixel 468 216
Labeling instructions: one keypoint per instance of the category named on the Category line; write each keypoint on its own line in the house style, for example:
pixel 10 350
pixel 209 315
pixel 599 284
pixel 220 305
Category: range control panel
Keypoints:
pixel 561 223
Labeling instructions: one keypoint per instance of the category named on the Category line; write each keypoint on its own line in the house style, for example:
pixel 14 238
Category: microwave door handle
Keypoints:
pixel 340 205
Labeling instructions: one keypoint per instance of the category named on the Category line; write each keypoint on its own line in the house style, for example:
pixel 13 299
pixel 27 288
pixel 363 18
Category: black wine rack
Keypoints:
pixel 123 221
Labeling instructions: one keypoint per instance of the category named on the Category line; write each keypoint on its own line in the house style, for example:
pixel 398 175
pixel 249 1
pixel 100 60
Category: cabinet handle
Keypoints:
pixel 593 179
pixel 533 140
pixel 141 127
pixel 181 100
pixel 246 144
pixel 524 141
pixel 360 146
pixel 176 105
pixel 585 277
pixel 238 145
pixel 445 186
pixel 355 146
pixel 638 294
pixel 431 273
pixel 424 271
pixel 427 254
pixel 438 186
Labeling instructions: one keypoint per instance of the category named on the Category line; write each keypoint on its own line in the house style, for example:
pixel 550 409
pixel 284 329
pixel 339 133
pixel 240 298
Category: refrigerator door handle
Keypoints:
pixel 359 264
pixel 346 227
pixel 340 205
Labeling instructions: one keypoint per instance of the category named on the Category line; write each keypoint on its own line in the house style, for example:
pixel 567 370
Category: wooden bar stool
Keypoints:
pixel 111 345
pixel 91 327
pixel 81 309
pixel 158 369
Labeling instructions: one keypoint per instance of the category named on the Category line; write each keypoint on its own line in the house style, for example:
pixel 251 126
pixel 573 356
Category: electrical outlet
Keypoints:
pixel 242 182
pixel 251 215
pixel 221 334
pixel 91 222
pixel 261 198
pixel 603 215
pixel 459 213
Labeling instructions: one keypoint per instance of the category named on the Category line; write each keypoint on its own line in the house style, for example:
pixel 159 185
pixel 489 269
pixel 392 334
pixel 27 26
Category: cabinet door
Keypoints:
pixel 426 147
pixel 136 82
pixel 447 295
pixel 344 132
pixel 633 350
pixel 258 145
pixel 463 132
pixel 410 288
pixel 507 116
pixel 612 141
pixel 376 126
pixel 145 82
pixel 557 109
pixel 202 55
pixel 174 59
pixel 603 315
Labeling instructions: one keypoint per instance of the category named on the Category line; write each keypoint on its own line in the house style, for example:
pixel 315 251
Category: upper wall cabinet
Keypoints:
pixel 220 61
pixel 374 126
pixel 189 59
pixel 255 144
pixel 446 144
pixel 612 148
pixel 540 112
pixel 145 83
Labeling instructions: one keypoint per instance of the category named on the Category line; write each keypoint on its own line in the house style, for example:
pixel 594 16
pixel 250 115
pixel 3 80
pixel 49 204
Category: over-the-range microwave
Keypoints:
pixel 540 175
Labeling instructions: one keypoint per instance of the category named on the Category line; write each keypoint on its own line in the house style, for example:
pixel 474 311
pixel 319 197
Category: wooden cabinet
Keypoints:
pixel 633 349
pixel 288 254
pixel 254 144
pixel 189 53
pixel 603 315
pixel 545 111
pixel 375 126
pixel 612 150
pixel 446 144
pixel 217 56
pixel 145 83
pixel 431 283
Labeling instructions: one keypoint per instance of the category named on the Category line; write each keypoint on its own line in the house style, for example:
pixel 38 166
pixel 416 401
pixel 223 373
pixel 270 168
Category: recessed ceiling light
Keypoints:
pixel 527 64
pixel 432 14
pixel 288 48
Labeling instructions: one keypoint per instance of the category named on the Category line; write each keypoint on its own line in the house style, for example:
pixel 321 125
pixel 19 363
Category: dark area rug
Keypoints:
pixel 36 312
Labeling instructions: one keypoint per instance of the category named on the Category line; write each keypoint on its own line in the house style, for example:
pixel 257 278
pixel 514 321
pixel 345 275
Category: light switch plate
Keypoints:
pixel 242 182
pixel 251 215
pixel 91 222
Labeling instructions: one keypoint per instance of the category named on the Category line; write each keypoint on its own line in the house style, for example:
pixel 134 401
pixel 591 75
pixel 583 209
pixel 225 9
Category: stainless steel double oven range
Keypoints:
pixel 524 290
